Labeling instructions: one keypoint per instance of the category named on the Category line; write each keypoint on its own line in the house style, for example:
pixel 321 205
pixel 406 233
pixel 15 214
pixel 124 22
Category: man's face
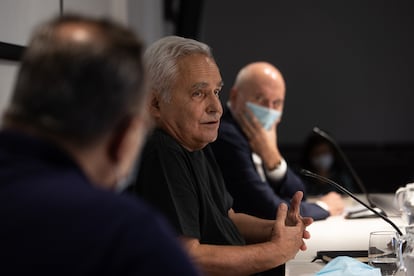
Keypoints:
pixel 266 89
pixel 193 114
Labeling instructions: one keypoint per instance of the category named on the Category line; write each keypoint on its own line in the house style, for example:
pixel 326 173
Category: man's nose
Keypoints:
pixel 214 105
pixel 268 104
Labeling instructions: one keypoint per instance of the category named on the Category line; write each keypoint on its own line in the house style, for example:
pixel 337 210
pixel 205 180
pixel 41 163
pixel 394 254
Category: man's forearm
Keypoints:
pixel 253 229
pixel 236 260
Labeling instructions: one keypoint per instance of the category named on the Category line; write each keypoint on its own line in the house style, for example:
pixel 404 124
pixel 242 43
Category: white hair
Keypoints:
pixel 161 59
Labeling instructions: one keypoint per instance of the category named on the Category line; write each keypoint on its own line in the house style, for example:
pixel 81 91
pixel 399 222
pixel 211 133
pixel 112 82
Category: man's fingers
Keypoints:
pixel 306 234
pixel 243 121
pixel 295 202
pixel 307 221
pixel 303 247
pixel 250 120
pixel 297 198
pixel 281 213
pixel 246 125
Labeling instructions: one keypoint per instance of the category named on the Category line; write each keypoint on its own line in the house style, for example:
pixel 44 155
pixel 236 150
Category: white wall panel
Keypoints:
pixel 19 17
pixel 114 9
pixel 7 76
pixel 145 17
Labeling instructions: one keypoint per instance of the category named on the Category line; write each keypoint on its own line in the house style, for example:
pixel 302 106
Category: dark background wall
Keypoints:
pixel 348 66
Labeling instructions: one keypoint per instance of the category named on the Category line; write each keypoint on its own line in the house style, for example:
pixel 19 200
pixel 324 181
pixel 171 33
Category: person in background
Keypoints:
pixel 179 175
pixel 320 157
pixel 255 172
pixel 70 134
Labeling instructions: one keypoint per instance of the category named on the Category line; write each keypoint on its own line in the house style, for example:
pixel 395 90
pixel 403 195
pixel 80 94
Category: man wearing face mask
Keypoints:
pixel 255 172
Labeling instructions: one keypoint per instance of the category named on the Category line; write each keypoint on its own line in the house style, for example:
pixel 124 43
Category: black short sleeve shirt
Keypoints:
pixel 188 188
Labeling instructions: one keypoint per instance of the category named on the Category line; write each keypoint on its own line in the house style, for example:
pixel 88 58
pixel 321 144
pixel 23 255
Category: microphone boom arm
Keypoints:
pixel 342 189
pixel 346 162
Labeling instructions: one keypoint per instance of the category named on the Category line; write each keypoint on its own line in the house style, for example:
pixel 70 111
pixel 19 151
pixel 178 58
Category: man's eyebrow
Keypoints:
pixel 201 85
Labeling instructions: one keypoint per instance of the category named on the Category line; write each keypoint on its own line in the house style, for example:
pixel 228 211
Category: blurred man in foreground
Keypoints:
pixel 71 133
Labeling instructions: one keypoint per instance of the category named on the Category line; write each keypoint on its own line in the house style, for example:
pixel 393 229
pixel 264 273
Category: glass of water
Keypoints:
pixel 383 251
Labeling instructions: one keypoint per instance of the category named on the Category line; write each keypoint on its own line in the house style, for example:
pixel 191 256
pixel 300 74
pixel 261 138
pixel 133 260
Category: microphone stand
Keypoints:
pixel 354 175
pixel 342 189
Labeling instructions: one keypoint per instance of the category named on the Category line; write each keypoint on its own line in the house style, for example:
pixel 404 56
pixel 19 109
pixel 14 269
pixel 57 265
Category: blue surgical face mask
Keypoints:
pixel 323 161
pixel 266 116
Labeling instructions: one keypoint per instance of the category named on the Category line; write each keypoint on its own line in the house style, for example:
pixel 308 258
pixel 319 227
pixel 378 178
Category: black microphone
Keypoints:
pixel 342 189
pixel 348 165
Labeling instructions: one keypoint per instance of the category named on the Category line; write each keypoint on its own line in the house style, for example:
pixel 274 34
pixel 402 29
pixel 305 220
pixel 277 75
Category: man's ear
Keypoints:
pixel 126 140
pixel 154 105
pixel 233 94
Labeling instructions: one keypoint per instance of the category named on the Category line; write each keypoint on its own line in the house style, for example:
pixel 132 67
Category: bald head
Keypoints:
pixel 257 72
pixel 260 83
pixel 78 32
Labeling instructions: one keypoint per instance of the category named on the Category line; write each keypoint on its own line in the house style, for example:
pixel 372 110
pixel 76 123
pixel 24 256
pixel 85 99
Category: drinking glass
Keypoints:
pixel 383 251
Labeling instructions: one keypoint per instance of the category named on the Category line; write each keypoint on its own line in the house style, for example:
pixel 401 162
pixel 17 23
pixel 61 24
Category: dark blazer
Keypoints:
pixel 252 195
pixel 54 221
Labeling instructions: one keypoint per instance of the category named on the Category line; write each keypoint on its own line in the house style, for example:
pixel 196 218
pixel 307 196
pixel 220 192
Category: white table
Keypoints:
pixel 337 233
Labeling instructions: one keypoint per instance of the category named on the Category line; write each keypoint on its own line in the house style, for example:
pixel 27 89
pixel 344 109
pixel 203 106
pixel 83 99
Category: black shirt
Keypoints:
pixel 188 188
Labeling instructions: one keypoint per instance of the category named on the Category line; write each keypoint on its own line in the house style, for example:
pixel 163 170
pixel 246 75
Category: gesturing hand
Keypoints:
pixel 294 218
pixel 289 238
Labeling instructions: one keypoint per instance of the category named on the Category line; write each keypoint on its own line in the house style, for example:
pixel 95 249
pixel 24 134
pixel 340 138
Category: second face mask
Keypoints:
pixel 266 116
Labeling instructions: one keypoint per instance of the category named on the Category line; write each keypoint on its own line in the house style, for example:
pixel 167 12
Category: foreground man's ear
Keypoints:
pixel 126 142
